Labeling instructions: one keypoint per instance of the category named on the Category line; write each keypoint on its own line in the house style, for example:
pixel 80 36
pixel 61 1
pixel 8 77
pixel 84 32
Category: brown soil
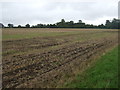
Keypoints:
pixel 45 69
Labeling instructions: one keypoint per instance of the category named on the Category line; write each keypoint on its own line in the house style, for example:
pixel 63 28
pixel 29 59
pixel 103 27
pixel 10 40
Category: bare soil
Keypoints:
pixel 43 61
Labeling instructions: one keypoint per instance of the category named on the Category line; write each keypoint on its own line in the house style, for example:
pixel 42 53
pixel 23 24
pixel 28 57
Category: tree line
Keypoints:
pixel 113 24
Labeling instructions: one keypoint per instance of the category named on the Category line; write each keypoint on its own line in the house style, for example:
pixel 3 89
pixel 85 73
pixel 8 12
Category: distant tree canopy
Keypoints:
pixel 10 25
pixel 1 25
pixel 114 24
pixel 27 26
pixel 19 26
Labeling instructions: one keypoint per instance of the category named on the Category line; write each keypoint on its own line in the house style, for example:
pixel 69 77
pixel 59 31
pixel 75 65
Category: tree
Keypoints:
pixel 71 22
pixel 108 24
pixel 80 21
pixel 62 21
pixel 1 25
pixel 27 26
pixel 10 25
pixel 19 26
pixel 114 24
pixel 101 26
pixel 40 26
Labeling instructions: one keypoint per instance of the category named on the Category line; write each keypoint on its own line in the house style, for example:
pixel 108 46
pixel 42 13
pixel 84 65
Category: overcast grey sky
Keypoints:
pixel 52 11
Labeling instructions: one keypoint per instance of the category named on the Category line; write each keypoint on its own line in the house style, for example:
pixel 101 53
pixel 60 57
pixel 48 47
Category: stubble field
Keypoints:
pixel 34 58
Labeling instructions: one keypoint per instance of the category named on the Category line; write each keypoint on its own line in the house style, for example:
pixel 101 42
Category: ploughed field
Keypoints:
pixel 34 58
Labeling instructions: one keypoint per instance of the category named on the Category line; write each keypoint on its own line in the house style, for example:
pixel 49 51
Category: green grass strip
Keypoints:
pixel 103 74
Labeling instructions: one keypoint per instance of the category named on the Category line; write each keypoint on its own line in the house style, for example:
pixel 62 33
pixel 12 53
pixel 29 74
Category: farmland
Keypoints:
pixel 34 58
pixel 102 74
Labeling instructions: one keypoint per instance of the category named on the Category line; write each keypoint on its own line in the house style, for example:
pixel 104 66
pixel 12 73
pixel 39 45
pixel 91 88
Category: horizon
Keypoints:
pixel 55 23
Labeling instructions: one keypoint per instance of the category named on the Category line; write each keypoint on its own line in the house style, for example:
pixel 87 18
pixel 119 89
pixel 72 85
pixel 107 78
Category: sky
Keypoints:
pixel 22 12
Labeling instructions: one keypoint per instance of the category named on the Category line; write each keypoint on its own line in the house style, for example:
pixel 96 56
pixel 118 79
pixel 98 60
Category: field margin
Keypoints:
pixel 79 77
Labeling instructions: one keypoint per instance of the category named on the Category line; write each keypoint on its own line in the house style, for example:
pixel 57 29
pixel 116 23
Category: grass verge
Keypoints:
pixel 103 74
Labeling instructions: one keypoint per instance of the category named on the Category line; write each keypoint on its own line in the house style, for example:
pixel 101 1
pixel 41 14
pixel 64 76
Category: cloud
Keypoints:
pixel 52 11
